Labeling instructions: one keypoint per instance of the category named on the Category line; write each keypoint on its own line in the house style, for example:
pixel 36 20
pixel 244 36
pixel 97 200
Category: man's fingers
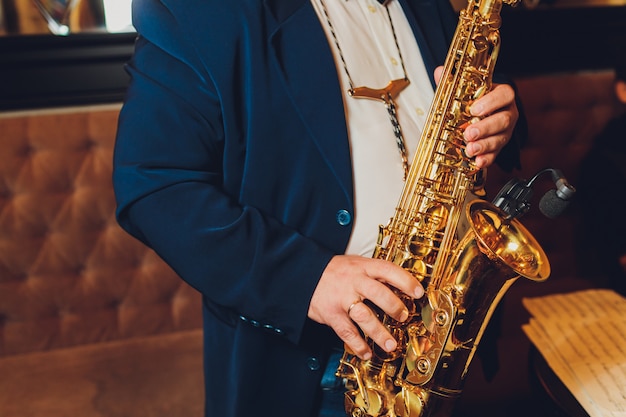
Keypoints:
pixel 498 115
pixel 384 298
pixel 501 96
pixel 338 300
pixel 361 315
pixel 438 72
pixel 393 275
pixel 347 331
pixel 365 318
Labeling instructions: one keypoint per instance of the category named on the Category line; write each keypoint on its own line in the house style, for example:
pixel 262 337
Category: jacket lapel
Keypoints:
pixel 433 30
pixel 305 61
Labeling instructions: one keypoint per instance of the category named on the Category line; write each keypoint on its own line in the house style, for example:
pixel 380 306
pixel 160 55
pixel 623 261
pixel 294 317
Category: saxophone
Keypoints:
pixel 464 276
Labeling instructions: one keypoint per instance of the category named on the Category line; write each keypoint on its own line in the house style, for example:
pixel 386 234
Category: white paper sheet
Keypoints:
pixel 582 336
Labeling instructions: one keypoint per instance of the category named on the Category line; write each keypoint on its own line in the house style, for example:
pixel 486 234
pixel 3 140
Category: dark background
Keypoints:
pixel 44 71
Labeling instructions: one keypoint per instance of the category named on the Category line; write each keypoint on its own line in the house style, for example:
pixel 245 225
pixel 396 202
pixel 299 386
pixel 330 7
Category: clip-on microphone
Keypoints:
pixel 514 197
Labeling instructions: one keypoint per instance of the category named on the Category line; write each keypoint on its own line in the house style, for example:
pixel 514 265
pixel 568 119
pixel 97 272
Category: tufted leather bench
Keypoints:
pixel 94 324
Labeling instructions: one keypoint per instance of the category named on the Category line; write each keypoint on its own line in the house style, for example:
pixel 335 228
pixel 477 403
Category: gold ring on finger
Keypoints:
pixel 353 304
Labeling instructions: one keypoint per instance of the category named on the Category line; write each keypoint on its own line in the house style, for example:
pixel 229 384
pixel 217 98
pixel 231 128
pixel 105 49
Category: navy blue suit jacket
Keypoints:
pixel 232 162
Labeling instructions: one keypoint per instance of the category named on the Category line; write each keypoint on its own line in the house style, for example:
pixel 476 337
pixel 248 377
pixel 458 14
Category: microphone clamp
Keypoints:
pixel 514 198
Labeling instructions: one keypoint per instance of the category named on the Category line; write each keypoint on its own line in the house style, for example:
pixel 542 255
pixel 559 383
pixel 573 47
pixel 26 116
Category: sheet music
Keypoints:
pixel 582 336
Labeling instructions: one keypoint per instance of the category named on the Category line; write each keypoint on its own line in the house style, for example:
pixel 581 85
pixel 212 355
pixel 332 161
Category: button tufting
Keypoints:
pixel 66 264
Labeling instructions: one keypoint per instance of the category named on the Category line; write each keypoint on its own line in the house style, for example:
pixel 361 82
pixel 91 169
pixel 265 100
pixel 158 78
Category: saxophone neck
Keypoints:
pixel 487 8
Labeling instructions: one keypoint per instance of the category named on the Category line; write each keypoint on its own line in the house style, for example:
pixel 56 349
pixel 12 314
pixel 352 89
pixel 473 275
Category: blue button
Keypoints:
pixel 313 363
pixel 343 217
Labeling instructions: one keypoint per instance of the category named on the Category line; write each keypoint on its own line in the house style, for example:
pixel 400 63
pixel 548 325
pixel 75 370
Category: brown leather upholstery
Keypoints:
pixel 150 376
pixel 94 324
pixel 69 275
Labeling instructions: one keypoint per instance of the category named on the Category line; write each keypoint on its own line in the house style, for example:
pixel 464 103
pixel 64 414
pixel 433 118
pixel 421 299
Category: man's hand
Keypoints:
pixel 497 114
pixel 345 283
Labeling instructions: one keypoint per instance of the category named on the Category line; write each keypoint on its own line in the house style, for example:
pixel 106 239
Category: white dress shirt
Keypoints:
pixel 367 43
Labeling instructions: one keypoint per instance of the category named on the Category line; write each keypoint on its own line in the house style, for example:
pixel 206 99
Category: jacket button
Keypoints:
pixel 343 217
pixel 313 363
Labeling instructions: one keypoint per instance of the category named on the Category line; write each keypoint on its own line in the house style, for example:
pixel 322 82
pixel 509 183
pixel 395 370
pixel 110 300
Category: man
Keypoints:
pixel 244 162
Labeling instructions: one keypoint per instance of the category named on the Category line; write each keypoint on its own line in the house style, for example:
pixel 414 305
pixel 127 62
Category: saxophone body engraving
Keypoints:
pixel 464 276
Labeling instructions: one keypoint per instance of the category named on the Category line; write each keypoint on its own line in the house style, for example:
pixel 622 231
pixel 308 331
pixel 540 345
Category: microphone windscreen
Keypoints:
pixel 551 205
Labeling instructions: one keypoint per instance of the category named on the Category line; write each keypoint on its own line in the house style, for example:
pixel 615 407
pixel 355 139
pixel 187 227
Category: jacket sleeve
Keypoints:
pixel 168 179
